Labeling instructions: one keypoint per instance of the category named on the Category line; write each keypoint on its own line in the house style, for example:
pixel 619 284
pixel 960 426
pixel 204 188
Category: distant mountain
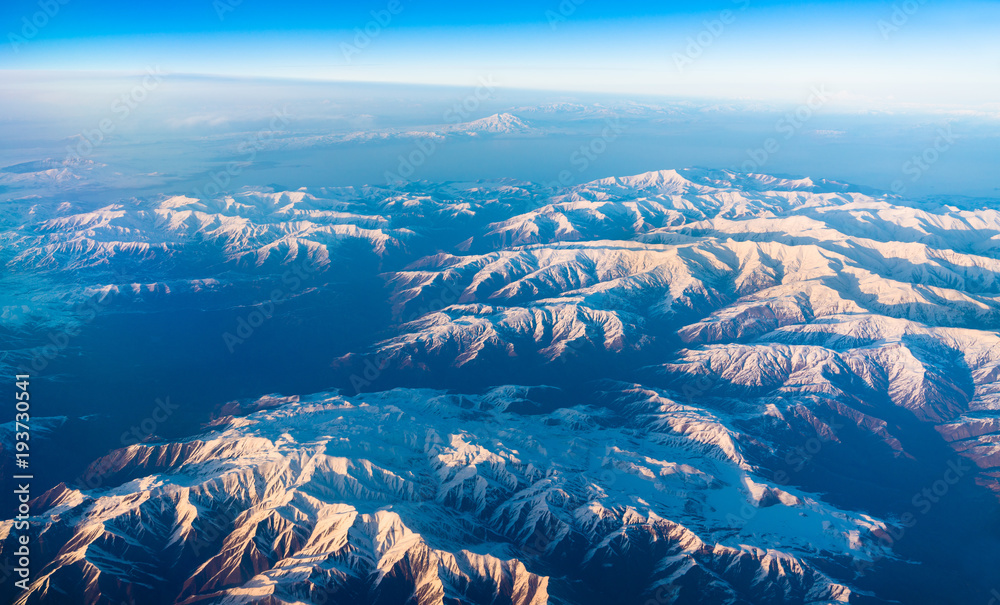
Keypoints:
pixel 500 123
pixel 51 177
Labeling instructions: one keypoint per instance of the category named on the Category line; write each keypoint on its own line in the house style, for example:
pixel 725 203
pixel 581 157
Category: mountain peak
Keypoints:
pixel 498 123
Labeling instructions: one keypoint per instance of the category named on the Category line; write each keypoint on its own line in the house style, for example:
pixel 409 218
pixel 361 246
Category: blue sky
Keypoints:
pixel 114 17
pixel 870 54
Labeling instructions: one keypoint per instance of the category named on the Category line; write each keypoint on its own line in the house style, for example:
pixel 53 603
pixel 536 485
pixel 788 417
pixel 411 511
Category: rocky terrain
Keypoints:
pixel 677 387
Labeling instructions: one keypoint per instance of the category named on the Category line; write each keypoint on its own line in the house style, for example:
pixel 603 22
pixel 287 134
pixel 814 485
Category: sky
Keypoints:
pixel 909 53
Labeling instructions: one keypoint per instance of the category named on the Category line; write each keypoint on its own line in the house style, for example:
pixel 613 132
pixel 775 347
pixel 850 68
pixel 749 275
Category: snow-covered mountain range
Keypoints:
pixel 689 386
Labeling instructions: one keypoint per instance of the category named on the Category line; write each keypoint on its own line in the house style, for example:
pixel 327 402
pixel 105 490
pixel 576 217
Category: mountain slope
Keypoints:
pixel 750 385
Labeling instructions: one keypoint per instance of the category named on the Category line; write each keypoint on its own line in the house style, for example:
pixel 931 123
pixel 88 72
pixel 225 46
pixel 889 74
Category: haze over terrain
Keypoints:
pixel 184 130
